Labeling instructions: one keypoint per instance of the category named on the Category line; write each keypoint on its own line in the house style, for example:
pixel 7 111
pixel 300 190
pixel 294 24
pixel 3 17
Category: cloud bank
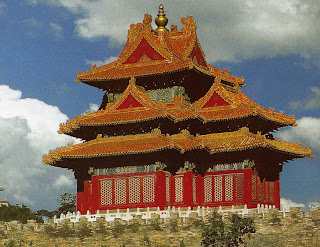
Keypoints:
pixel 307 132
pixel 28 129
pixel 229 30
pixel 286 204
pixel 310 103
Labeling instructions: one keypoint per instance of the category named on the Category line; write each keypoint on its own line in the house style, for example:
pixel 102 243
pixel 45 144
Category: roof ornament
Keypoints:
pixel 161 20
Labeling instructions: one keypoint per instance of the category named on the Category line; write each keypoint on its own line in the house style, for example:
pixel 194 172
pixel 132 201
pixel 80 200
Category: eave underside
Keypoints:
pixel 194 126
pixel 268 163
pixel 195 83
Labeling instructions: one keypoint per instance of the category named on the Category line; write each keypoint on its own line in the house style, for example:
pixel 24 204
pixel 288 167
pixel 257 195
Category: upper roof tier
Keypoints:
pixel 153 52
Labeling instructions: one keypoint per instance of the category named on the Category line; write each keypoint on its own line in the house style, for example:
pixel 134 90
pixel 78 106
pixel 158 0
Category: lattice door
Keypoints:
pixel 168 187
pixel 254 187
pixel 218 189
pixel 106 192
pixel 239 177
pixel 120 191
pixel 148 189
pixel 228 184
pixel 207 184
pixel 178 189
pixel 134 190
pixel 194 189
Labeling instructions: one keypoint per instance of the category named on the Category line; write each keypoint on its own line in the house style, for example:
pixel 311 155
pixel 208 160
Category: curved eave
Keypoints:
pixel 154 142
pixel 175 115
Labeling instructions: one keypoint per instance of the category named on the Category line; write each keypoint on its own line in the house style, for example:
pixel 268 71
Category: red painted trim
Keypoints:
pixel 215 100
pixel 196 52
pixel 129 102
pixel 144 48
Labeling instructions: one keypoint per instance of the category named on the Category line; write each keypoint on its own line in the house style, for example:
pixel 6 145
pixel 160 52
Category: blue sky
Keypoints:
pixel 43 43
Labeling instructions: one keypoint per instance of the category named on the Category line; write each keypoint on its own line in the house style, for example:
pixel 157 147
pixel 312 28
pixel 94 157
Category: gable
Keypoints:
pixel 197 57
pixel 215 100
pixel 129 102
pixel 144 52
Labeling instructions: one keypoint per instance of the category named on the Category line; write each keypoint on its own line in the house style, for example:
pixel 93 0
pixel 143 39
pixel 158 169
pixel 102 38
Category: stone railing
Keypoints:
pixel 146 213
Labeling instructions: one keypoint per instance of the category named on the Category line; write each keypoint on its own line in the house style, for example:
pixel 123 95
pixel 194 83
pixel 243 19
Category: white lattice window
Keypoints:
pixel 168 189
pixel 148 188
pixel 178 189
pixel 207 184
pixel 106 191
pixel 194 189
pixel 239 186
pixel 120 191
pixel 134 189
pixel 228 187
pixel 254 186
pixel 218 188
pixel 271 192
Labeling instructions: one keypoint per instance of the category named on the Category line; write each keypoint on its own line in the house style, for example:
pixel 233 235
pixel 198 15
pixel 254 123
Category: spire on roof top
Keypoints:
pixel 161 20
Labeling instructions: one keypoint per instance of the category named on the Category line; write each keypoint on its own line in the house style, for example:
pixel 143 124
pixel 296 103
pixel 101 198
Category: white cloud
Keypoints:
pixel 307 132
pixel 229 30
pixel 33 22
pixel 93 107
pixel 313 204
pixel 287 204
pixel 28 129
pixel 3 7
pixel 309 103
pixel 33 2
pixel 100 63
pixel 63 181
pixel 57 29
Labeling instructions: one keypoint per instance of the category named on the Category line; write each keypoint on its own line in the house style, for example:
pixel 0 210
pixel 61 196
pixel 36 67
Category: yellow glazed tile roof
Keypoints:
pixel 240 106
pixel 184 141
pixel 173 47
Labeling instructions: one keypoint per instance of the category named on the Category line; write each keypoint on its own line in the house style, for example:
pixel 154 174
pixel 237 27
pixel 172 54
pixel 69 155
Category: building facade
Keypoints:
pixel 172 130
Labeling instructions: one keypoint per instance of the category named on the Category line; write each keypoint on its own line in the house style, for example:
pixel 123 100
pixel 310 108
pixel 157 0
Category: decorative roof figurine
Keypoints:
pixel 172 130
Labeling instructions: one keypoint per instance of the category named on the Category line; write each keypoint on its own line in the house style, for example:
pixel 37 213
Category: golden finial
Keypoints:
pixel 161 20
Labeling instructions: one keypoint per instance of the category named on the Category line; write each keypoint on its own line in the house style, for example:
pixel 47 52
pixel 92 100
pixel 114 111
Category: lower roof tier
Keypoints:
pixel 131 150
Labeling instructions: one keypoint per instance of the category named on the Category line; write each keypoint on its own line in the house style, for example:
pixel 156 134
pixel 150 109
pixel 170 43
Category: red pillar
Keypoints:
pixel 187 189
pixel 83 198
pixel 247 187
pixel 80 199
pixel 277 193
pixel 160 189
pixel 96 195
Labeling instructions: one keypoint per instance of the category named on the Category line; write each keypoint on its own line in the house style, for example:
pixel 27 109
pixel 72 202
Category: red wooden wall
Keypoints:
pixel 153 189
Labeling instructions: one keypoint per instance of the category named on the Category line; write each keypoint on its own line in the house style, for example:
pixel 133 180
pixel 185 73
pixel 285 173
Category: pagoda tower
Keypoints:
pixel 172 130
